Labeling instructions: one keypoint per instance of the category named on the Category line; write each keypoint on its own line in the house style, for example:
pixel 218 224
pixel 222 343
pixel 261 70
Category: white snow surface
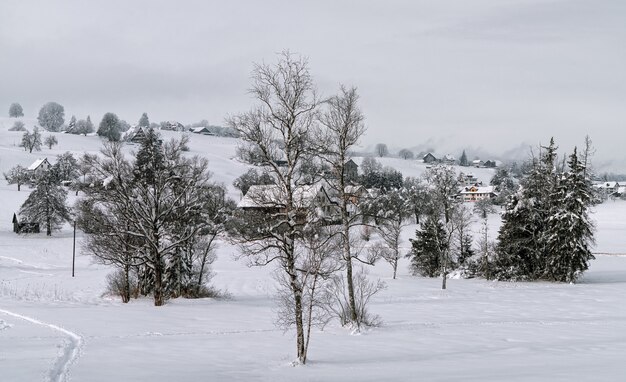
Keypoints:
pixel 54 327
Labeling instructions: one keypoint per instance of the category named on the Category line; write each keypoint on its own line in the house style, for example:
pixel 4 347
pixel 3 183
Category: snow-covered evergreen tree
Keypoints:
pixel 46 204
pixel 428 248
pixel 144 121
pixel 569 233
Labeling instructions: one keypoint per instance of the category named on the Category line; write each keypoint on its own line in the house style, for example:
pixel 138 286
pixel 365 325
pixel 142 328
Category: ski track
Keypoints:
pixel 60 370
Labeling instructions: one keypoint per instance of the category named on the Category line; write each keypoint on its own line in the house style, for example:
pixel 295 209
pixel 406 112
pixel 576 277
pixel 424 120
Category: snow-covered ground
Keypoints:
pixel 54 327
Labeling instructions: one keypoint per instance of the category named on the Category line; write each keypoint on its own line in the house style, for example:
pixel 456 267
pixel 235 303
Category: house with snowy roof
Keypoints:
pixel 39 166
pixel 307 199
pixel 430 158
pixel 203 130
pixel 22 226
pixel 477 192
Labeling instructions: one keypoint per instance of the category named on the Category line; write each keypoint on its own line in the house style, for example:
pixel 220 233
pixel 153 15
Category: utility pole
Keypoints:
pixel 74 249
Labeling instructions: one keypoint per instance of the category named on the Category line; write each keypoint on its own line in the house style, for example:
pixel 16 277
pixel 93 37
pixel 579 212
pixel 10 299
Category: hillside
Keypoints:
pixel 55 327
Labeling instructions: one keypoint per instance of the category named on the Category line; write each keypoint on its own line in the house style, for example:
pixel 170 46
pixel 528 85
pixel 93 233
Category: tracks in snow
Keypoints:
pixel 60 370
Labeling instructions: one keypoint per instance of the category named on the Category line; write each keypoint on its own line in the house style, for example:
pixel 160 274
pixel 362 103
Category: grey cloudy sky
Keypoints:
pixel 489 76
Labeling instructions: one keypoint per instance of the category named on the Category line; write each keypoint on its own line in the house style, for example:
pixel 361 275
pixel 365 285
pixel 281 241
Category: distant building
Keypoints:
pixel 351 172
pixel 138 135
pixel 476 192
pixel 491 164
pixel 430 158
pixel 173 126
pixel 449 159
pixel 478 163
pixel 39 166
pixel 24 227
pixel 202 130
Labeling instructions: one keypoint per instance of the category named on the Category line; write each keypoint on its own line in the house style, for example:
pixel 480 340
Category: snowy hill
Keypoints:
pixel 56 327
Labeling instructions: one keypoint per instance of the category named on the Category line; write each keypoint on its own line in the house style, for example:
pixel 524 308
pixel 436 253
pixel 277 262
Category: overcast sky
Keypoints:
pixel 484 75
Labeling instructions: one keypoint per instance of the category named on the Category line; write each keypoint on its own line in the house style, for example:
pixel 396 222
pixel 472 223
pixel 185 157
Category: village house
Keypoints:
pixel 430 158
pixel 351 172
pixel 477 163
pixel 610 189
pixel 202 130
pixel 20 226
pixel 468 179
pixel 449 159
pixel 319 200
pixel 39 166
pixel 477 192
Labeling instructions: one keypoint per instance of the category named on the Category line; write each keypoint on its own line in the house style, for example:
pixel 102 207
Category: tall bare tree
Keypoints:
pixel 341 128
pixel 278 128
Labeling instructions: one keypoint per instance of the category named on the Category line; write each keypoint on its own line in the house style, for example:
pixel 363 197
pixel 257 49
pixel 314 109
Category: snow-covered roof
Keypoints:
pixel 449 157
pixel 266 196
pixel 607 185
pixel 478 190
pixel 37 163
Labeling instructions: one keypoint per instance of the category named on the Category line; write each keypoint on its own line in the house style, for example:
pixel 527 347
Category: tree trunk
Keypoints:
pixel 348 258
pixel 203 263
pixel 159 299
pixel 126 293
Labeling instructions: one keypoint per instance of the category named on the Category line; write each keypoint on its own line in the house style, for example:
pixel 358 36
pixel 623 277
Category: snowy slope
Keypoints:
pixel 54 327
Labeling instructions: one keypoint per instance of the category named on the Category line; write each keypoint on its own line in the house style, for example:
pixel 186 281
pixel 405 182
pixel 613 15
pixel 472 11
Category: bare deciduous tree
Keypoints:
pixel 278 128
pixel 341 128
pixel 406 154
pixel 381 150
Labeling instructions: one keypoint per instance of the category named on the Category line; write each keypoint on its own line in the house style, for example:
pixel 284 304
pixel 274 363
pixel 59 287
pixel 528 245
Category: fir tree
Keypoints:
pixel 463 160
pixel 428 248
pixel 521 249
pixel 46 204
pixel 570 231
pixel 71 126
pixel 144 121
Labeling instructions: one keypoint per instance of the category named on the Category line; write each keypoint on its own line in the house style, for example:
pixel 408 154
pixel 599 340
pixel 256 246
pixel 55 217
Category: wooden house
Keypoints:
pixel 24 227
pixel 430 158
pixel 39 166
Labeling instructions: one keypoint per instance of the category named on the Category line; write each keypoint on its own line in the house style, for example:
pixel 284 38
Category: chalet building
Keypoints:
pixel 477 192
pixel 20 226
pixel 351 172
pixel 173 126
pixel 449 159
pixel 491 164
pixel 39 166
pixel 613 189
pixel 430 158
pixel 478 163
pixel 468 179
pixel 202 131
pixel 138 135
pixel 317 200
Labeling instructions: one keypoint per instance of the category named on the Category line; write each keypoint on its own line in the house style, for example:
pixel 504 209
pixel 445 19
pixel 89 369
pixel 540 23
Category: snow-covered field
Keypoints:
pixel 55 327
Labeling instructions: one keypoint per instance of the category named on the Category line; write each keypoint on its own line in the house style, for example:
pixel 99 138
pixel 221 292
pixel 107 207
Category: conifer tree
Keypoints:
pixel 428 248
pixel 46 204
pixel 144 121
pixel 569 229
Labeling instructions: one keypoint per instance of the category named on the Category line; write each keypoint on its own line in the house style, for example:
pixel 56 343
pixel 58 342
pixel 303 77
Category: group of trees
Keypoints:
pixel 155 218
pixel 546 231
pixel 297 137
